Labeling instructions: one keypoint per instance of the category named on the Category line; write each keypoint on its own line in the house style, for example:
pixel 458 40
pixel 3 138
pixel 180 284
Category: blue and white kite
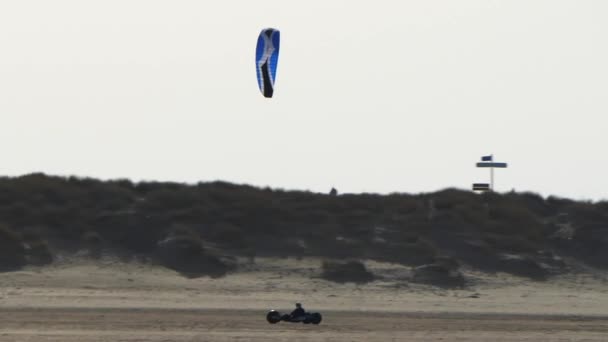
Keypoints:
pixel 266 59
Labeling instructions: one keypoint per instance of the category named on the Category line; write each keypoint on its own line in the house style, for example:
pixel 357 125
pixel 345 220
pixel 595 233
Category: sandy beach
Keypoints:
pixel 108 300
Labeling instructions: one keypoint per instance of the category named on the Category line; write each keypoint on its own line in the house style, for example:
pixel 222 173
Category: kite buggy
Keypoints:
pixel 299 315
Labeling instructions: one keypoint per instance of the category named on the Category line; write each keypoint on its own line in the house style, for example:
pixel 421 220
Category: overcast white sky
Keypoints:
pixel 375 96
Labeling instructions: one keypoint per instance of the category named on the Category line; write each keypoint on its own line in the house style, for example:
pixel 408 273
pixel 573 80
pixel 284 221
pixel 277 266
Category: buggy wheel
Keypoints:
pixel 273 317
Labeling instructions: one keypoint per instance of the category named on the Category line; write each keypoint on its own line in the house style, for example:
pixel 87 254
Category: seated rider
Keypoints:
pixel 298 312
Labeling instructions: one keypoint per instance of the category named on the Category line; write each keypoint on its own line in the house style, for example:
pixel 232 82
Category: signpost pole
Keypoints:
pixel 489 163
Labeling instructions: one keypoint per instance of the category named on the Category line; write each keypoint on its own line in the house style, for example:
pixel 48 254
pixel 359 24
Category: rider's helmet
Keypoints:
pixel 298 305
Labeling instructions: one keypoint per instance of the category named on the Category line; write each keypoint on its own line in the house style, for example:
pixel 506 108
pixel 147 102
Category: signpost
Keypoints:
pixel 481 187
pixel 498 165
pixel 488 162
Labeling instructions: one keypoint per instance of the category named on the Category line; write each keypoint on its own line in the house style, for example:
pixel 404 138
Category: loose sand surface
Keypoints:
pixel 113 301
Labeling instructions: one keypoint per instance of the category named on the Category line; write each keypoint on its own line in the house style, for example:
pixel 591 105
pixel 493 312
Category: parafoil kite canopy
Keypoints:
pixel 266 59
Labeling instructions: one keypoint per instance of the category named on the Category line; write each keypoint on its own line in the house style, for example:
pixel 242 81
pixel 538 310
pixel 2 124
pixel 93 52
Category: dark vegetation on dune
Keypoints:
pixel 344 272
pixel 197 229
